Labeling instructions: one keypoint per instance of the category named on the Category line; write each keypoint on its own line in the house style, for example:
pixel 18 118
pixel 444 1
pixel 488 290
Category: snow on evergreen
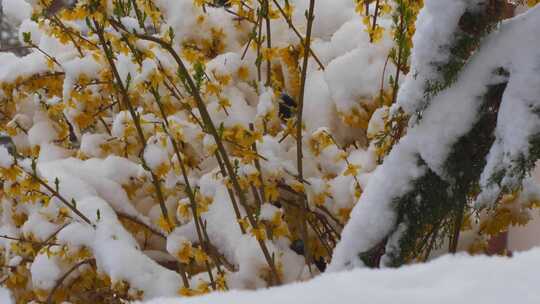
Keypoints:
pixel 450 115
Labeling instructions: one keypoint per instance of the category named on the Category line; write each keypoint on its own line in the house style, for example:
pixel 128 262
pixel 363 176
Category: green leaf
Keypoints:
pixel 27 37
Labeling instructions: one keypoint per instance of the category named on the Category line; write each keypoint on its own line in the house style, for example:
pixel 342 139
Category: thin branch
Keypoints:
pixel 134 220
pixel 302 40
pixel 134 116
pixel 64 277
pixel 59 196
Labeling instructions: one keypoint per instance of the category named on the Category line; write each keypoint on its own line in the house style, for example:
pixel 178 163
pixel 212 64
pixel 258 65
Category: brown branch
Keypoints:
pixel 134 116
pixel 59 196
pixel 64 277
pixel 25 241
pixel 140 223
pixel 374 25
pixel 302 40
pixel 268 41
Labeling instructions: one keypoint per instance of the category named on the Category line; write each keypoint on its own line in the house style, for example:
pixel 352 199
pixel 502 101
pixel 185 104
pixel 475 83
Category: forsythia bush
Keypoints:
pixel 175 147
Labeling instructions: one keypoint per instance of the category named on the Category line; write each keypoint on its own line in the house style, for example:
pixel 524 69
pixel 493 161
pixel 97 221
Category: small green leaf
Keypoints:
pixel 27 37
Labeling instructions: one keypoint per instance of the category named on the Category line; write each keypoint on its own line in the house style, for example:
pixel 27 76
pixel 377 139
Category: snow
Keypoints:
pixel 268 211
pixel 45 271
pixel 5 296
pixel 39 227
pixel 155 156
pixel 520 99
pixel 31 64
pixel 447 280
pixel 347 86
pixel 318 109
pixel 450 115
pixel 75 68
pixel 41 133
pixel 330 15
pixel 398 170
pixel 116 251
pixel 265 105
pixel 6 159
pixel 91 144
pixel 17 10
pixel 436 27
pixel 78 179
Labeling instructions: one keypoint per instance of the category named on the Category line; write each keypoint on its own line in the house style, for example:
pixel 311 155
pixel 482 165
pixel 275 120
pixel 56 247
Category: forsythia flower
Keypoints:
pixel 532 3
pixel 352 170
pixel 165 224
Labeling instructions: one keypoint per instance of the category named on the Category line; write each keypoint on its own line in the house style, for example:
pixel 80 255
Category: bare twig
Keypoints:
pixel 302 40
pixel 64 277
pixel 299 127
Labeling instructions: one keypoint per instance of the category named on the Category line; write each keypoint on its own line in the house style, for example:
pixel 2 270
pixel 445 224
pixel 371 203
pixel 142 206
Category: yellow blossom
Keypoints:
pixel 165 224
pixel 351 170
pixel 271 193
pixel 185 253
pixel 259 233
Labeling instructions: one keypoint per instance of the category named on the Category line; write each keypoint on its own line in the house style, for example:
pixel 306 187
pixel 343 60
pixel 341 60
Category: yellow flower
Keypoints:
pixel 351 170
pixel 259 233
pixel 532 3
pixel 186 292
pixel 319 141
pixel 243 73
pixel 184 210
pixel 345 213
pixel 297 186
pixel 223 79
pixel 385 8
pixel 281 231
pixel 162 169
pixel 10 174
pixel 221 282
pixel 366 20
pixel 273 14
pixel 224 103
pixel 203 287
pixel 213 89
pixel 271 193
pixel 377 33
pixel 200 256
pixel 200 19
pixel 185 252
pixel 269 53
pixel 288 9
pixel 319 198
pixel 360 7
pixel 244 223
pixel 165 224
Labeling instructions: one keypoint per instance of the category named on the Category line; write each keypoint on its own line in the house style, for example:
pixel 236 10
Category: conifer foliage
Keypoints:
pixel 473 132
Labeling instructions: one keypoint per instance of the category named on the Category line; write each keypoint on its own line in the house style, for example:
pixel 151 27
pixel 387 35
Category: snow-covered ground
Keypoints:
pixel 449 279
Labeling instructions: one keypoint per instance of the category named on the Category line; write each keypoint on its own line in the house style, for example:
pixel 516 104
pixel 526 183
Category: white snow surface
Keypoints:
pixel 16 10
pixel 447 280
pixel 5 296
pixel 6 160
